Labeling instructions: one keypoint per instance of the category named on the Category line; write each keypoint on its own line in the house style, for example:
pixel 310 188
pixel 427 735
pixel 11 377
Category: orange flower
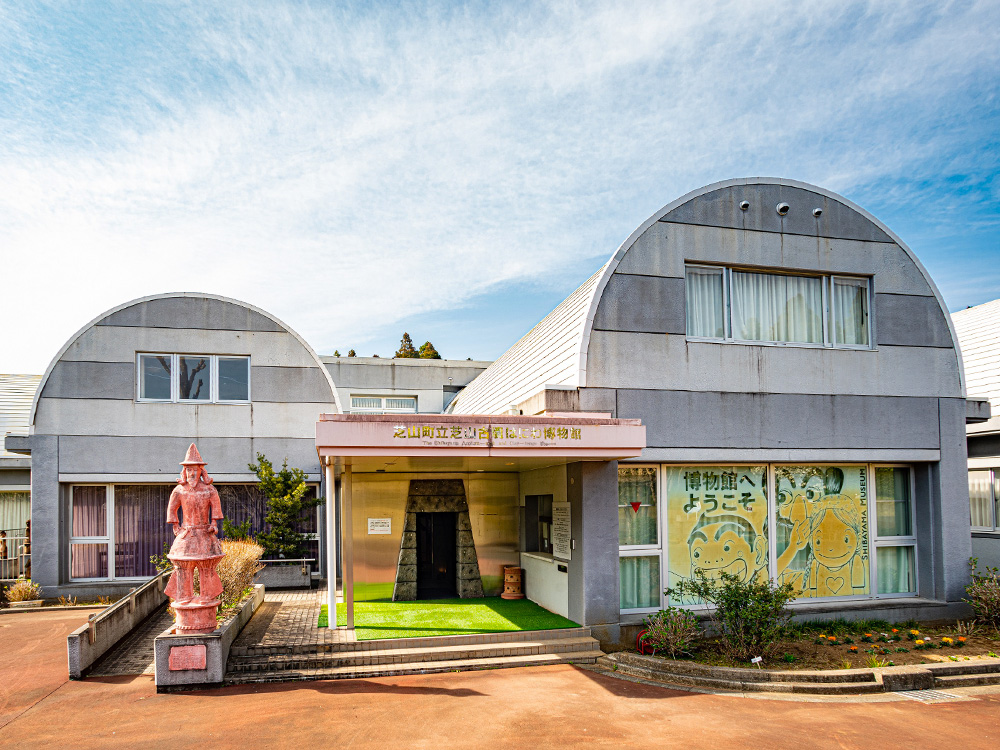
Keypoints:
pixel 895 630
pixel 832 638
pixel 961 638
pixel 853 649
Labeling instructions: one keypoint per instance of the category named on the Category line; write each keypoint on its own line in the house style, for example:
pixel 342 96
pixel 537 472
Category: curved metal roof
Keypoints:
pixel 555 351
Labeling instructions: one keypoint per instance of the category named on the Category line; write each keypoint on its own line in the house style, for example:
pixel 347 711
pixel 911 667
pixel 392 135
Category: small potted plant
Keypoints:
pixel 24 594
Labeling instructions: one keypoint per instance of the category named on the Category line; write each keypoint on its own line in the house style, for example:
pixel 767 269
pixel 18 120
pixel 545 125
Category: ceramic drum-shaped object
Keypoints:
pixel 512 583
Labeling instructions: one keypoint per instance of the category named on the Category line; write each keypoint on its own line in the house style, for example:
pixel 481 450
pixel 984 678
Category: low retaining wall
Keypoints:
pixel 285 574
pixel 184 662
pixel 824 682
pixel 90 642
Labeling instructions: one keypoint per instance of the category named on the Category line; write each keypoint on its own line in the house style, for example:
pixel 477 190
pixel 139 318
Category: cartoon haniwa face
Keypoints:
pixel 833 542
pixel 722 549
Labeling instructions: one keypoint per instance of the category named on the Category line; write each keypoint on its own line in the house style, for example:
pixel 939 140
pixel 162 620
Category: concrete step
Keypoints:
pixel 424 667
pixel 736 679
pixel 398 655
pixel 966 680
pixel 414 643
pixel 977 666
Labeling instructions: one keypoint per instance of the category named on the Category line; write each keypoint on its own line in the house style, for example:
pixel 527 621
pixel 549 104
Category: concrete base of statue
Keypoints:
pixel 196 617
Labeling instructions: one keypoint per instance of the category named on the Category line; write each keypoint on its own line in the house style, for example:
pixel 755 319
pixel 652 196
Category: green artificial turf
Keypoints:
pixel 388 619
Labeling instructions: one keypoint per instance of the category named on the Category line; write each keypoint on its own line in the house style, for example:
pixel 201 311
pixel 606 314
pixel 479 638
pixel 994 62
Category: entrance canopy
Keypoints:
pixel 444 442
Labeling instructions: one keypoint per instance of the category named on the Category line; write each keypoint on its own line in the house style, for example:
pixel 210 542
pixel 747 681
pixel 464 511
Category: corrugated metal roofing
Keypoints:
pixel 548 354
pixel 16 394
pixel 978 330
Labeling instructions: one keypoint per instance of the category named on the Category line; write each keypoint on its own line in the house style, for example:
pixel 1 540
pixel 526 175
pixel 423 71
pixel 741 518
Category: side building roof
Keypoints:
pixel 978 330
pixel 16 395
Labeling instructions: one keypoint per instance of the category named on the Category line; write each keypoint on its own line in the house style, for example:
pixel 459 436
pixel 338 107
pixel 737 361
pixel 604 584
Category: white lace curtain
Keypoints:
pixel 705 303
pixel 850 312
pixel 770 307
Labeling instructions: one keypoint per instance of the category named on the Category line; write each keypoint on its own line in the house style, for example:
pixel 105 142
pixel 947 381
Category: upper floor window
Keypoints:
pixel 193 378
pixel 384 404
pixel 734 305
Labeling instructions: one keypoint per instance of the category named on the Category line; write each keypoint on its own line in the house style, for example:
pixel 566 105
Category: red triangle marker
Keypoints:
pixel 635 506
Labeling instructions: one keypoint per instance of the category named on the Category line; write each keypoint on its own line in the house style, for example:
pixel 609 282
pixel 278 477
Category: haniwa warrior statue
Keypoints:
pixel 196 547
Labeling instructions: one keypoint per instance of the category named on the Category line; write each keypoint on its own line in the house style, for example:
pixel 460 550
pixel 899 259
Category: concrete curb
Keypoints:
pixel 824 682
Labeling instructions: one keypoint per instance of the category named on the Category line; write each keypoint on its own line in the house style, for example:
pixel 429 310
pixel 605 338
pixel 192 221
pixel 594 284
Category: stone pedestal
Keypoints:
pixel 196 617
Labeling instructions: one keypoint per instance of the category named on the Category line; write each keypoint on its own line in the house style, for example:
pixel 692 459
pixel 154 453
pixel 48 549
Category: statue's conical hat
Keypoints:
pixel 193 457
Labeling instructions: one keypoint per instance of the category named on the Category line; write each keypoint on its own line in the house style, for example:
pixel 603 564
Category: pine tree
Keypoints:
pixel 288 503
pixel 351 353
pixel 406 350
pixel 336 352
pixel 427 351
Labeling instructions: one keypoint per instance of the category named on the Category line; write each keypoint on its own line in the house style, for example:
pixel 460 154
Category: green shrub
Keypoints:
pixel 672 631
pixel 984 593
pixel 749 616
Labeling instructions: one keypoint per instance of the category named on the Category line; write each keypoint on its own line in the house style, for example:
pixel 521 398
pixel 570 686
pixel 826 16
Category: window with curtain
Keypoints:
pixel 895 543
pixel 741 305
pixel 850 312
pixel 638 538
pixel 772 307
pixel 981 499
pixel 705 302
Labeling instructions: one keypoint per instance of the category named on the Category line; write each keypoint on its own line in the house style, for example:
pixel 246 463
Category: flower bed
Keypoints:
pixel 844 645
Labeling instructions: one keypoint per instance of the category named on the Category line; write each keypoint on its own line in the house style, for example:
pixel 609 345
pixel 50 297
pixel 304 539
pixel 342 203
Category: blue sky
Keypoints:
pixel 455 170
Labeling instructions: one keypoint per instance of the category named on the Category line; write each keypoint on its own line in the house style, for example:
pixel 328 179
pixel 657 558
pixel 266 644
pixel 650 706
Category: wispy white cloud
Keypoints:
pixel 348 167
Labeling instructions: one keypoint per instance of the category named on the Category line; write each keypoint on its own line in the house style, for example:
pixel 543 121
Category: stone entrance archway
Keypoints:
pixel 437 496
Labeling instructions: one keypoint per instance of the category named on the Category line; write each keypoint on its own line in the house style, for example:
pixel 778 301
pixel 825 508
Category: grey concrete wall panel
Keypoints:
pixel 593 572
pixel 721 208
pixel 390 375
pixel 289 384
pixel 104 380
pixel 114 344
pixel 162 455
pixel 664 248
pixel 47 545
pixel 16 477
pixel 194 421
pixel 599 399
pixel 191 312
pixel 643 360
pixel 690 419
pixel 909 320
pixel 987 549
pixel 952 523
pixel 652 304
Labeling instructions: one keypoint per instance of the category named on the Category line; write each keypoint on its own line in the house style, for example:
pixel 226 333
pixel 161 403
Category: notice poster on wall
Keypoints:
pixel 561 532
pixel 379 525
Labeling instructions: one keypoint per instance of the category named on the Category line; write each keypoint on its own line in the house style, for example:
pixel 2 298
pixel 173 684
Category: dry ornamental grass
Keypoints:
pixel 24 590
pixel 237 568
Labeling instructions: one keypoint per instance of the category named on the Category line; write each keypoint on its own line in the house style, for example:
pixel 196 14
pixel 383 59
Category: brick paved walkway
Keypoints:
pixel 134 655
pixel 288 618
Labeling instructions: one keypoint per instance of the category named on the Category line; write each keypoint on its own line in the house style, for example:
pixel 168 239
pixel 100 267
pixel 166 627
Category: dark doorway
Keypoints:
pixel 436 553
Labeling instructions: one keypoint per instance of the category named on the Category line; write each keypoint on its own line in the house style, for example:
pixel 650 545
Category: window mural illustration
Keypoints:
pixel 822 529
pixel 716 522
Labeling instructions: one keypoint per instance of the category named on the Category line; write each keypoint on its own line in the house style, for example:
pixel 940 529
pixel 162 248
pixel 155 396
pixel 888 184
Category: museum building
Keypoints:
pixel 763 380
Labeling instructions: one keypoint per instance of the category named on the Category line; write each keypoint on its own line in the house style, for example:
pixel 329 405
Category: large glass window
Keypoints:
pixel 716 522
pixel 895 543
pixel 772 307
pixel 754 306
pixel 824 513
pixel 15 510
pixel 200 378
pixel 639 582
pixel 90 532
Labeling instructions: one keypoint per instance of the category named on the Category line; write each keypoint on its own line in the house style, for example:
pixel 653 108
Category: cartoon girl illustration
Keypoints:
pixel 837 566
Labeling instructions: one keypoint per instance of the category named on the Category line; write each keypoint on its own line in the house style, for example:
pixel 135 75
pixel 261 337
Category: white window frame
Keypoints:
pixel 175 378
pixel 992 505
pixel 829 324
pixel 874 540
pixel 383 400
pixel 647 550
pixel 877 541
pixel 108 540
